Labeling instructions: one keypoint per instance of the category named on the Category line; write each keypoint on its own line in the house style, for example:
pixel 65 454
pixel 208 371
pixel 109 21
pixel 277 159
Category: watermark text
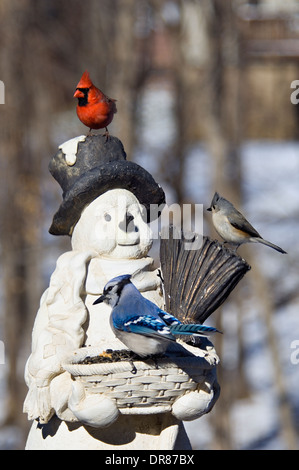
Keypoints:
pixel 129 223
pixel 295 94
pixel 2 353
pixel 2 92
pixel 295 353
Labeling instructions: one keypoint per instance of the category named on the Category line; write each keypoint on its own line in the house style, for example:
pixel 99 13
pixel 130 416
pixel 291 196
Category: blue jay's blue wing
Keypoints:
pixel 165 316
pixel 192 329
pixel 168 319
pixel 146 325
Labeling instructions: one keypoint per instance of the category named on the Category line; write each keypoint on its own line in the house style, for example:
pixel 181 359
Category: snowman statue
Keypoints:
pixel 76 405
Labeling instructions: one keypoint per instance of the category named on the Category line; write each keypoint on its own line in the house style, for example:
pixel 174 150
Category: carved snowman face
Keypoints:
pixel 113 226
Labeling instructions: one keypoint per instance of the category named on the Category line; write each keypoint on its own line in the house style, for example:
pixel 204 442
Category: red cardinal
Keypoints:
pixel 94 108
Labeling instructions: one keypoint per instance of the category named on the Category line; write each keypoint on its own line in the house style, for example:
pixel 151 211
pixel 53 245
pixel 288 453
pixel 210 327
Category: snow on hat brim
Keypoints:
pixel 95 179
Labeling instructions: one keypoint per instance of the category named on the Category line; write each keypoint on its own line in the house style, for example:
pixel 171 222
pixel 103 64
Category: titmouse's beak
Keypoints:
pixel 209 208
pixel 99 300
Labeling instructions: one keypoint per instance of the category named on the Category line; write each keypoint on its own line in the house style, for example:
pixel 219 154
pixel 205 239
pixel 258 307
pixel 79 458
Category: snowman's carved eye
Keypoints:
pixel 107 217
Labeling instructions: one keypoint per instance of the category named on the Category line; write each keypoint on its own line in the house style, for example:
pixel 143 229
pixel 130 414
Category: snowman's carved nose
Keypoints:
pixel 127 225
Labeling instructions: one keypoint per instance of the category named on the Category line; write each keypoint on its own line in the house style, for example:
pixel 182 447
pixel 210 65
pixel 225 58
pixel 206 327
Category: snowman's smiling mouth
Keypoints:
pixel 129 243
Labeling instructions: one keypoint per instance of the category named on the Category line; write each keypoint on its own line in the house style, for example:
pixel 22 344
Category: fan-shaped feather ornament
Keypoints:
pixel 197 281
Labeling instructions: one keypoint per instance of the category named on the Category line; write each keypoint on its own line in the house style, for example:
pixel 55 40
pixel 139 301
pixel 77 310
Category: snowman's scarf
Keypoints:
pixel 57 331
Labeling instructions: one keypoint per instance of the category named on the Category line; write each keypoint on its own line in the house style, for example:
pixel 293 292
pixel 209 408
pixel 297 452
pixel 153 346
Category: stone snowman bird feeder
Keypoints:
pixel 83 393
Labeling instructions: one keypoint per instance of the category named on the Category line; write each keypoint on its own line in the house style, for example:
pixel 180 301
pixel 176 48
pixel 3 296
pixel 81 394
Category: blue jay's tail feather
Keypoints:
pixel 192 329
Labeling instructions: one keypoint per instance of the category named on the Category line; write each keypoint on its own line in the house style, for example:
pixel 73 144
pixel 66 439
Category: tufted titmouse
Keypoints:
pixel 232 226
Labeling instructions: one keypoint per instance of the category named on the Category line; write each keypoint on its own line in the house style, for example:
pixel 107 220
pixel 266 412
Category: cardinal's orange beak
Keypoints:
pixel 78 94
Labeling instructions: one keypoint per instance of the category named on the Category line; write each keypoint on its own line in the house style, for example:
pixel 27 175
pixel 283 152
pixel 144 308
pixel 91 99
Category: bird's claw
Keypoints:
pixel 134 369
pixel 106 135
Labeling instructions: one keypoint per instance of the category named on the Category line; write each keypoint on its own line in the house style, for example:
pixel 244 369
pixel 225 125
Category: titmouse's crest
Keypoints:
pixel 214 202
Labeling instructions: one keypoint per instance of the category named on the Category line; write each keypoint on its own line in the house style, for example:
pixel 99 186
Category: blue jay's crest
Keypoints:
pixel 140 324
pixel 120 281
pixel 113 290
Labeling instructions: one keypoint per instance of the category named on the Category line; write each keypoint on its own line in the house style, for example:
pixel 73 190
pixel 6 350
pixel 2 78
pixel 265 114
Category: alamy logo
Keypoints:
pixel 2 92
pixel 125 223
pixel 295 94
pixel 295 354
pixel 2 353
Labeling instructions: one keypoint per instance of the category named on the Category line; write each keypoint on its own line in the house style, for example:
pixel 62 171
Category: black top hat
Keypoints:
pixel 99 167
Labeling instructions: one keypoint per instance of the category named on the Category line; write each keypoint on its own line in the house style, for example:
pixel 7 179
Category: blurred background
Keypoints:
pixel 203 92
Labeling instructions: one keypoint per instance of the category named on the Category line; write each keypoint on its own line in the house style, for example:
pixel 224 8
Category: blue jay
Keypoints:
pixel 140 324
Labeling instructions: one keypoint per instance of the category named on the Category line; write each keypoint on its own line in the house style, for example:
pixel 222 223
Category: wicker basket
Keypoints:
pixel 155 385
